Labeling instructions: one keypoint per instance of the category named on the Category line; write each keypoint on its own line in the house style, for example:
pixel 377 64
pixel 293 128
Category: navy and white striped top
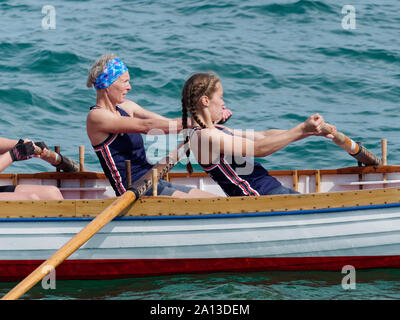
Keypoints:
pixel 117 148
pixel 225 172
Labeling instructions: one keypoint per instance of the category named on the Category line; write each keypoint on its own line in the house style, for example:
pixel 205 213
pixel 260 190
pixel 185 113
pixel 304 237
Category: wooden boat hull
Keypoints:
pixel 365 237
pixel 159 235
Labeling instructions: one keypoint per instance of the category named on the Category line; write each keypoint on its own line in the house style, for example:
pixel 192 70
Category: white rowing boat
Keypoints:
pixel 348 216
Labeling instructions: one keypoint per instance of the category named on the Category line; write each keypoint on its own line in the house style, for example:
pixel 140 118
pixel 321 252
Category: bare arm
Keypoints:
pixel 220 142
pixel 107 122
pixel 253 135
pixel 6 144
pixel 20 151
pixel 5 161
pixel 137 111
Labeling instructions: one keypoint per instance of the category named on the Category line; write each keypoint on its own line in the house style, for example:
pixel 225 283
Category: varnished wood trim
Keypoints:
pixel 100 175
pixel 317 181
pixel 165 206
pixel 15 179
pixel 295 180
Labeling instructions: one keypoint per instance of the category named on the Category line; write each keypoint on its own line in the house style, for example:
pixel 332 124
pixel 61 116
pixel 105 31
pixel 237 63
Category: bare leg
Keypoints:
pixel 39 192
pixel 18 196
pixel 194 193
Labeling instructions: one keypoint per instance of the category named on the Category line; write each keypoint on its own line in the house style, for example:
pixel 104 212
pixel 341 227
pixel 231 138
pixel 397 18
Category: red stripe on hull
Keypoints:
pixel 13 270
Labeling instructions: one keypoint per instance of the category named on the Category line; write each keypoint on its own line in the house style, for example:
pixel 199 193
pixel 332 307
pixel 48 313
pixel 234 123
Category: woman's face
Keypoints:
pixel 118 90
pixel 216 103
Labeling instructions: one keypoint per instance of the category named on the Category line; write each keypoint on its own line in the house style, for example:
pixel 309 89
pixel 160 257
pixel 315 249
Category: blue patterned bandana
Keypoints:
pixel 113 70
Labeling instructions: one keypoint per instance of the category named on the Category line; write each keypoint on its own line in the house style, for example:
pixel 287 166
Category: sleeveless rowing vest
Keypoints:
pixel 117 148
pixel 225 172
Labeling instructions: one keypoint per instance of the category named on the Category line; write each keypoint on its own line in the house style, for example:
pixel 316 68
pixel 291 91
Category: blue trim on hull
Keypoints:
pixel 212 216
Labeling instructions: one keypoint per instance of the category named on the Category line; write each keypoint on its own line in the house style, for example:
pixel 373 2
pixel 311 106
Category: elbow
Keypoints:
pixel 147 126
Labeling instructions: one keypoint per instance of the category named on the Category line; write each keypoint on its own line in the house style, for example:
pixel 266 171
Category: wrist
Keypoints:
pixel 302 127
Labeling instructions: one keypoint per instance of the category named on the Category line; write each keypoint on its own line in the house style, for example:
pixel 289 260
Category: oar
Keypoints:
pixel 57 160
pixel 113 210
pixel 353 148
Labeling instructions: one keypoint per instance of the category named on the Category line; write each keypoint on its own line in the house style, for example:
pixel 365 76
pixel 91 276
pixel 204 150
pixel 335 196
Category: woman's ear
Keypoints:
pixel 204 101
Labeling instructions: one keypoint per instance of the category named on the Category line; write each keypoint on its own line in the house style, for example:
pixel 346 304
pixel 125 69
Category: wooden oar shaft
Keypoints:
pixel 353 148
pixel 72 245
pixel 128 198
pixel 57 160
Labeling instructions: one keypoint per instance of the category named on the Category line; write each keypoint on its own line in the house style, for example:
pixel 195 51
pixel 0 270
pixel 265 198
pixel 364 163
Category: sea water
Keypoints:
pixel 279 62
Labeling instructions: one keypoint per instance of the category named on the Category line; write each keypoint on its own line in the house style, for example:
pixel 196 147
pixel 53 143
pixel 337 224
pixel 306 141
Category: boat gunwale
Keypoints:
pixel 160 206
pixel 208 216
pixel 101 175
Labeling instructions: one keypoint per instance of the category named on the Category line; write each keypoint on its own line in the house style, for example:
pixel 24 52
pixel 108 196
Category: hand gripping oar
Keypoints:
pixel 114 209
pixel 354 149
pixel 57 160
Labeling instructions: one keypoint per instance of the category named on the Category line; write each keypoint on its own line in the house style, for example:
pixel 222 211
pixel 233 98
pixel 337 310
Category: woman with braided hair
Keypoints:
pixel 224 153
pixel 12 150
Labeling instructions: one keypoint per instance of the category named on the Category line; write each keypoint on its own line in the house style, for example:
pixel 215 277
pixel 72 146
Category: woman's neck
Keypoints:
pixel 105 102
pixel 204 119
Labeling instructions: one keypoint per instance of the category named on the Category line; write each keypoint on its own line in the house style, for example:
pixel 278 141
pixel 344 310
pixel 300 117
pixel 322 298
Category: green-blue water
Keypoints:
pixel 279 62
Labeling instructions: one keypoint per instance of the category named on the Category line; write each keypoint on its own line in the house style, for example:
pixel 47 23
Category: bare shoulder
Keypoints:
pixel 209 133
pixel 97 115
pixel 130 107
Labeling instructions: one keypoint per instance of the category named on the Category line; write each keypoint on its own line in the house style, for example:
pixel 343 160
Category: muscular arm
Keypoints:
pixel 220 142
pixel 216 141
pixel 101 122
pixel 254 135
pixel 105 121
pixel 137 111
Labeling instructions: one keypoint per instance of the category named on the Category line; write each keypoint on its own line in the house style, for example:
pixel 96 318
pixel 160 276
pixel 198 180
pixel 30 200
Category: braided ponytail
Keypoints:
pixel 195 87
pixel 186 136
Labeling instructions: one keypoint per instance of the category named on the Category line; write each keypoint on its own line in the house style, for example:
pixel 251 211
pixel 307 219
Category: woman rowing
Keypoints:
pixel 114 126
pixel 221 151
pixel 12 150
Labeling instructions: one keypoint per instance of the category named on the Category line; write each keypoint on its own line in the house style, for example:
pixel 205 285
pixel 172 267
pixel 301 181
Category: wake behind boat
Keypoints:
pixel 347 216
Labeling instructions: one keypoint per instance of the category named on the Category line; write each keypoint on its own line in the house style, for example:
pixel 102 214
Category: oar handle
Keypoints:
pixel 353 148
pixel 57 160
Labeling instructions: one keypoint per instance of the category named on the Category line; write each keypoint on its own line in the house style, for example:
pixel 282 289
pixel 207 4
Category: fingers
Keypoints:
pixel 41 145
pixel 313 125
pixel 22 150
pixel 316 125
pixel 226 114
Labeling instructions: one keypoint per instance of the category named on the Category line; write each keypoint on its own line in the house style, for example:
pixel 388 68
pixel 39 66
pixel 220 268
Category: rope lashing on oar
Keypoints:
pixel 57 160
pixel 357 151
pixel 140 187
